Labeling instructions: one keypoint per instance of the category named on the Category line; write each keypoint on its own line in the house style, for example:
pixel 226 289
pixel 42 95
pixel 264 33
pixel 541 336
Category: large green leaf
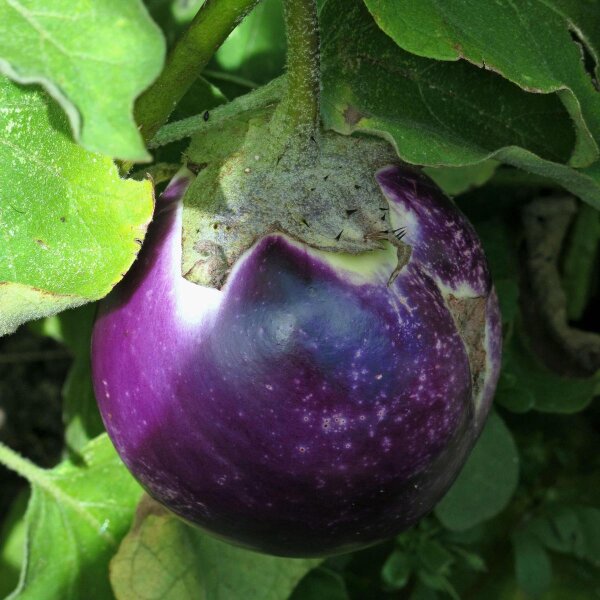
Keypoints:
pixel 440 113
pixel 528 42
pixel 94 57
pixel 69 226
pixel 487 481
pixel 457 180
pixel 76 517
pixel 162 558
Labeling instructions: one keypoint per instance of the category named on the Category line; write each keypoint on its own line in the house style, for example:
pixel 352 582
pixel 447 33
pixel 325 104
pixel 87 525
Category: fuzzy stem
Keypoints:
pixel 22 466
pixel 269 94
pixel 298 114
pixel 215 20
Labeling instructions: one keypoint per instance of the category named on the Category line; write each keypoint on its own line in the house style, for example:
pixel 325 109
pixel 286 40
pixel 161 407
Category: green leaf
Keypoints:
pixel 423 591
pixel 512 396
pixel 457 180
pixel 438 582
pixel 69 226
pixel 254 53
pixel 12 541
pixel 524 374
pixel 321 584
pixel 201 96
pixel 532 565
pixel 580 263
pixel 172 16
pixel 164 558
pixel 81 416
pixel 585 19
pixel 76 516
pixel 472 560
pixel 440 113
pixel 572 580
pixel 463 114
pixel 487 481
pixel 396 570
pixel 570 530
pixel 435 557
pixel 589 519
pixel 529 43
pixel 78 50
pixel 500 251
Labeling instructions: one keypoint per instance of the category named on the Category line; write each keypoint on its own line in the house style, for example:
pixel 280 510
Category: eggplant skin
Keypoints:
pixel 308 407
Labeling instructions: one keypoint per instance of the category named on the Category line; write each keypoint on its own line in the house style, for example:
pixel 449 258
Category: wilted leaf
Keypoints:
pixel 69 226
pixel 162 558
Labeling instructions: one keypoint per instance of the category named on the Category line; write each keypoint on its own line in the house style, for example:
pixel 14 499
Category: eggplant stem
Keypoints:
pixel 296 120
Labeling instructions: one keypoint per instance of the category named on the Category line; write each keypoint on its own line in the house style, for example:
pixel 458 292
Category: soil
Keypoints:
pixel 32 371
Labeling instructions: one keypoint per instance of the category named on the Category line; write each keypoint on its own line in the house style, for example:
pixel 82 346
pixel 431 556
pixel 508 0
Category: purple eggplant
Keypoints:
pixel 309 406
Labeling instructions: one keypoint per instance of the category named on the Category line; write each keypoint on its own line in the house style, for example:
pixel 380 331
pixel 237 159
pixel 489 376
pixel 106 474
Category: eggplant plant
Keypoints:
pixel 345 256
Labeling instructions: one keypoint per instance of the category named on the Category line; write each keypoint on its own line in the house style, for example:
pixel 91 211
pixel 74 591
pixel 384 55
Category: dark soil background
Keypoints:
pixel 32 371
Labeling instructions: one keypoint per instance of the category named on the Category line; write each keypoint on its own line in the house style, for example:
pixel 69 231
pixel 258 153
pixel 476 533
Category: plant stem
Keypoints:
pixel 267 95
pixel 215 20
pixel 297 116
pixel 22 466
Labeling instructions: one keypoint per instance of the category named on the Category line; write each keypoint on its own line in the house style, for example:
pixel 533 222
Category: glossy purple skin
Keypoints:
pixel 297 412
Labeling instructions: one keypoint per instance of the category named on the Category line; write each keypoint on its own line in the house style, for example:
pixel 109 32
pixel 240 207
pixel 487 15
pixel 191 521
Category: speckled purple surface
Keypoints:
pixel 297 412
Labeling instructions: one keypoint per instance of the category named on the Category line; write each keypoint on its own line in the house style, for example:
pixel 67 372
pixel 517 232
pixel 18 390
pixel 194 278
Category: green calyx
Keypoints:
pixel 250 185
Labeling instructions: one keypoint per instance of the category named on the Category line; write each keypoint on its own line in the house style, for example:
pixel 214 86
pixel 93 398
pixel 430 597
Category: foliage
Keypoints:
pixel 498 100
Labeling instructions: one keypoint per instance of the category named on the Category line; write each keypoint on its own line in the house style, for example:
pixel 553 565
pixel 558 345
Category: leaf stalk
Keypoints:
pixel 211 26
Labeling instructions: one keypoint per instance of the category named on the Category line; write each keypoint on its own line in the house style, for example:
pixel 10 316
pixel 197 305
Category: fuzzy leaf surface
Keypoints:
pixel 79 49
pixel 76 517
pixel 440 113
pixel 70 227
